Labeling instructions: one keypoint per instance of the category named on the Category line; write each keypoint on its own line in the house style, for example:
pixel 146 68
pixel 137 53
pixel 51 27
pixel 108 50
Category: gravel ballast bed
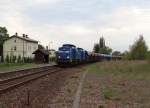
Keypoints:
pixel 52 91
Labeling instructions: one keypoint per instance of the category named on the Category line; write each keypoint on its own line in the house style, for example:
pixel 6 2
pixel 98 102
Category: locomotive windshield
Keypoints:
pixel 64 49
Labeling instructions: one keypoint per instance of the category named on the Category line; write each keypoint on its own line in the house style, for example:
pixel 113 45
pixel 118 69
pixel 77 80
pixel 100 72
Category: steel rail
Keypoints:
pixel 16 82
pixel 21 75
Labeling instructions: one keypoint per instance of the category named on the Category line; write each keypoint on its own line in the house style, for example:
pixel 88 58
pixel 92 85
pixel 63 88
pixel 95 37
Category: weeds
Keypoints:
pixel 111 94
pixel 2 106
pixel 124 81
pixel 130 69
pixel 101 106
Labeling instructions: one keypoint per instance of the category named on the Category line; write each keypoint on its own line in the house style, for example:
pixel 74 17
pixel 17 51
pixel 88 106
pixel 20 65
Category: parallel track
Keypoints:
pixel 9 82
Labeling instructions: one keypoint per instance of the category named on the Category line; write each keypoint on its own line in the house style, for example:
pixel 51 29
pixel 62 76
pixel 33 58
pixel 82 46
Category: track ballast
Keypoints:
pixel 15 79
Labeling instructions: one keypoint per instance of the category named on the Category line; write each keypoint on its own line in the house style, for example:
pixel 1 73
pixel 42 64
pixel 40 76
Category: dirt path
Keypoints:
pixel 76 103
pixel 91 96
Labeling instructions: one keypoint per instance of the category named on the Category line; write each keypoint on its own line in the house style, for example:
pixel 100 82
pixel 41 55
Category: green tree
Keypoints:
pixel 3 36
pixel 102 43
pixel 103 49
pixel 126 55
pixel 96 48
pixel 148 55
pixel 139 49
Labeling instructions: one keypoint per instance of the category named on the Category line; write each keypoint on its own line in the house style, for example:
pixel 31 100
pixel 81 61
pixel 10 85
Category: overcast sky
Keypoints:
pixel 80 22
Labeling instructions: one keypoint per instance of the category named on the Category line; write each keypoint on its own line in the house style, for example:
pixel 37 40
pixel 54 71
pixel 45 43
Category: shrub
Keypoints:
pixel 28 60
pixel 2 59
pixel 7 59
pixel 31 60
pixel 25 60
pixel 14 59
pixel 101 106
pixel 19 60
pixel 111 94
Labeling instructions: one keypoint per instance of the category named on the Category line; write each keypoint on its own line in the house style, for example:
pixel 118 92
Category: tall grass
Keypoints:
pixel 130 69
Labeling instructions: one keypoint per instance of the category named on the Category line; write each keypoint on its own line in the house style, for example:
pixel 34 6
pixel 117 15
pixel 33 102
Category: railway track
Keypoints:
pixel 17 78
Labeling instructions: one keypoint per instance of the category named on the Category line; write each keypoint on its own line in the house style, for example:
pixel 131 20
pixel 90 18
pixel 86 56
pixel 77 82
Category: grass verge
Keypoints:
pixel 17 66
pixel 124 82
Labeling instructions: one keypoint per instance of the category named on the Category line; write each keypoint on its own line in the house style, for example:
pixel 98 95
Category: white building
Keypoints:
pixel 19 46
pixel 52 53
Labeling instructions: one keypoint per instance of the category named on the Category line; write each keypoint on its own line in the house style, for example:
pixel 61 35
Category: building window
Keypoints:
pixel 15 41
pixel 15 48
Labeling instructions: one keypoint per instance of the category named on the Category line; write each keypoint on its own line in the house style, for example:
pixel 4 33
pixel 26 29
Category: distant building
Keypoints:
pixel 52 53
pixel 19 46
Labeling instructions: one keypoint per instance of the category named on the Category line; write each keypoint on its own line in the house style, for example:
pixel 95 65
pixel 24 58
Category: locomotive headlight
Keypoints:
pixel 68 57
pixel 59 57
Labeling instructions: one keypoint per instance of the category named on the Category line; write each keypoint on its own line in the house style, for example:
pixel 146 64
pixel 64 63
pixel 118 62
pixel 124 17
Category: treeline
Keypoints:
pixel 103 49
pixel 137 51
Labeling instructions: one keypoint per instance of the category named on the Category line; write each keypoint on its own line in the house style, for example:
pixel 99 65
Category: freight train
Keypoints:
pixel 69 54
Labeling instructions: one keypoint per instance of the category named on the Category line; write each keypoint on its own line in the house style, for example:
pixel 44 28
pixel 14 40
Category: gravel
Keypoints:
pixel 52 91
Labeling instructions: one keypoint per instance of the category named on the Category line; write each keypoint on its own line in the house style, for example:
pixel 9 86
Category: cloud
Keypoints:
pixel 76 22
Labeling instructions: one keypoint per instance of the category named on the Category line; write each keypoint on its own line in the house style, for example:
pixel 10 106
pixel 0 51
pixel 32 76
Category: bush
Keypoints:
pixel 31 60
pixel 7 59
pixel 14 59
pixel 111 94
pixel 101 106
pixel 19 60
pixel 25 59
pixel 2 59
pixel 28 60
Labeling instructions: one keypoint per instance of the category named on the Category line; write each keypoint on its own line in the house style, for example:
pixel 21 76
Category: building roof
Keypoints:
pixel 51 50
pixel 45 52
pixel 24 38
pixel 69 45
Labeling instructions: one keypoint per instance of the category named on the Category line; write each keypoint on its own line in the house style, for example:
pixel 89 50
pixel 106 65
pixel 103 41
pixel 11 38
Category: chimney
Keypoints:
pixel 26 36
pixel 23 35
pixel 16 34
pixel 47 48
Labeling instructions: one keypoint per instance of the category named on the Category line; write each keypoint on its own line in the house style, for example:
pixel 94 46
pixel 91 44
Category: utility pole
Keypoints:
pixel 23 47
pixel 50 45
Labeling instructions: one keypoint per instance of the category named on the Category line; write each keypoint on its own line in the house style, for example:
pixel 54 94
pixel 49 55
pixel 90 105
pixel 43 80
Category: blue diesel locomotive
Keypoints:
pixel 66 54
pixel 70 54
